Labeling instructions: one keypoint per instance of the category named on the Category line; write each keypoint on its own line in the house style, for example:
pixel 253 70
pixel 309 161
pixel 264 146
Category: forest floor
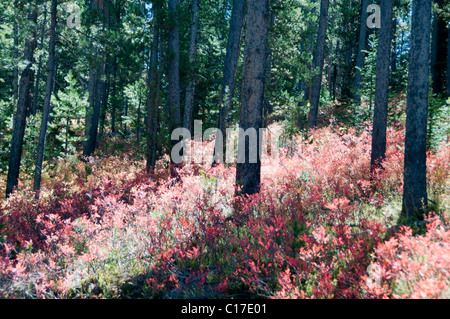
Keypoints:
pixel 319 228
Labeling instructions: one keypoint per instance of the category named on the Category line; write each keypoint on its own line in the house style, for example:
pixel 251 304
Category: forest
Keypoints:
pixel 224 149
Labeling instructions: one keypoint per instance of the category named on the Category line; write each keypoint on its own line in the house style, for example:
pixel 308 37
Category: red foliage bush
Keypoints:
pixel 118 231
pixel 408 266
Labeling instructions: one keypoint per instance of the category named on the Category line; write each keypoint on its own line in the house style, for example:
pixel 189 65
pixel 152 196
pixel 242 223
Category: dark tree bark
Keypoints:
pixel 190 91
pixel 173 71
pixel 48 93
pixel 152 79
pixel 381 86
pixel 318 63
pixel 448 60
pixel 95 90
pixel 38 74
pixel 362 45
pixel 304 87
pixel 19 124
pixel 125 130
pixel 106 82
pixel 331 56
pixel 415 174
pixel 138 120
pixel 229 73
pixel 16 55
pixel 106 87
pixel 173 77
pixel 334 73
pixel 114 76
pixel 156 148
pixel 267 105
pixel 92 89
pixel 394 51
pixel 122 99
pixel 248 174
pixel 439 51
pixel 94 110
pixel 113 96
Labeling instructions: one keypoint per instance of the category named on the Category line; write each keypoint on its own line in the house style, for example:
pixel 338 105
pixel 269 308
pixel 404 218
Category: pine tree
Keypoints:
pixel 248 172
pixel 415 175
pixel 48 93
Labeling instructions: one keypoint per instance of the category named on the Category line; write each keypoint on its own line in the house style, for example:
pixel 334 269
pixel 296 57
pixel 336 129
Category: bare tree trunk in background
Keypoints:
pixel 94 112
pixel 152 79
pixel 159 95
pixel 122 99
pixel 90 109
pixel 106 82
pixel 415 175
pixel 267 106
pixel 48 93
pixel 92 89
pixel 38 75
pixel 173 77
pixel 95 90
pixel 114 96
pixel 304 87
pixel 318 63
pixel 106 87
pixel 361 47
pixel 190 91
pixel 16 54
pixel 229 73
pixel 114 78
pixel 126 115
pixel 393 64
pixel 138 120
pixel 448 60
pixel 248 174
pixel 382 86
pixel 21 112
pixel 439 51
pixel 173 71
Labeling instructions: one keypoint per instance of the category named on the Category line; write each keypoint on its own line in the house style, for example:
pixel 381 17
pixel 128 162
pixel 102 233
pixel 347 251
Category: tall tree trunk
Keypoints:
pixel 19 124
pixel 393 64
pixel 190 91
pixel 173 71
pixel 229 73
pixel 125 130
pixel 381 86
pixel 267 106
pixel 248 172
pixel 95 94
pixel 114 97
pixel 94 114
pixel 38 75
pixel 16 54
pixel 173 76
pixel 438 51
pixel 335 73
pixel 114 76
pixel 106 87
pixel 156 148
pixel 48 93
pixel 362 45
pixel 318 63
pixel 331 45
pixel 415 174
pixel 92 84
pixel 304 87
pixel 448 60
pixel 138 120
pixel 152 79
